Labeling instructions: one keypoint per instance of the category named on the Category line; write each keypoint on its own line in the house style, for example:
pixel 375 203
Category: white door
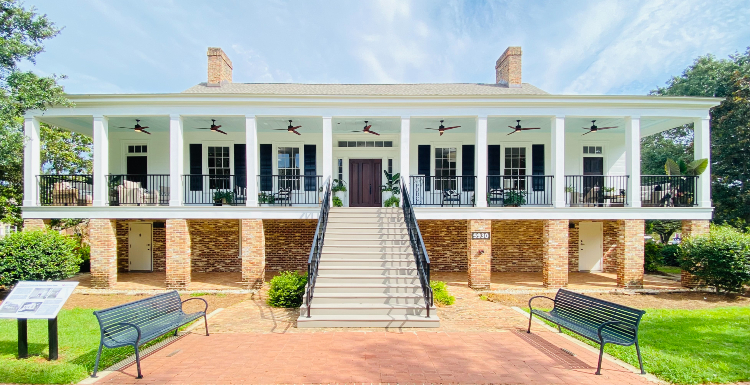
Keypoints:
pixel 139 245
pixel 590 246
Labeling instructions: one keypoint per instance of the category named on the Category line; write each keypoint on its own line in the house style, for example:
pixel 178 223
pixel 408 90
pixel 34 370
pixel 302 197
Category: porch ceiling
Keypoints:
pixel 277 124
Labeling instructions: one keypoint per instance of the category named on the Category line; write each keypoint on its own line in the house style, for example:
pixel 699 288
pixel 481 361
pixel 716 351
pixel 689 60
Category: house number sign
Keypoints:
pixel 480 235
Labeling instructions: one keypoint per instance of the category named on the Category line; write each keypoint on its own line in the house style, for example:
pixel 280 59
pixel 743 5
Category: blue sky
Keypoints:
pixel 569 47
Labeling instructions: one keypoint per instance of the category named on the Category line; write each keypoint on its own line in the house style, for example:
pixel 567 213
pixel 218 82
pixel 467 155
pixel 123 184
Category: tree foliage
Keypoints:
pixel 730 131
pixel 720 259
pixel 37 256
pixel 664 229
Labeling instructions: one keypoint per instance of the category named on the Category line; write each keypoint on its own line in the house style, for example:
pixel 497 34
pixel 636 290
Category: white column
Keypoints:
pixel 31 161
pixel 633 159
pixel 702 149
pixel 558 161
pixel 404 146
pixel 480 148
pixel 327 148
pixel 251 154
pixel 176 160
pixel 101 160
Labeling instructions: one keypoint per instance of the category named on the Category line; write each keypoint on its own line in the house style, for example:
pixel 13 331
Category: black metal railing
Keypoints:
pixel 417 246
pixel 288 190
pixel 668 191
pixel 443 190
pixel 317 245
pixel 214 189
pixel 66 190
pixel 596 190
pixel 138 190
pixel 519 190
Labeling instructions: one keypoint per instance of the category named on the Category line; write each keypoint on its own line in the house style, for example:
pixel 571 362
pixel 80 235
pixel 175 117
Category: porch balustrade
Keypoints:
pixel 453 191
pixel 596 190
pixel 668 191
pixel 215 190
pixel 519 190
pixel 289 190
pixel 138 190
pixel 66 190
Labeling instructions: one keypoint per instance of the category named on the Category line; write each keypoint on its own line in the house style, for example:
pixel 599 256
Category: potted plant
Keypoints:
pixel 515 198
pixel 223 198
pixel 392 186
pixel 338 186
pixel 569 194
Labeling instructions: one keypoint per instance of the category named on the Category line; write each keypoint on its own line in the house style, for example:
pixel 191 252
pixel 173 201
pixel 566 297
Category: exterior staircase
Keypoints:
pixel 367 275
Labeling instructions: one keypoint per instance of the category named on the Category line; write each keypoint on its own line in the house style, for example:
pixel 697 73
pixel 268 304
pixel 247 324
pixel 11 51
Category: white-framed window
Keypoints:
pixel 137 149
pixel 219 167
pixel 288 160
pixel 515 165
pixel 445 168
pixel 341 169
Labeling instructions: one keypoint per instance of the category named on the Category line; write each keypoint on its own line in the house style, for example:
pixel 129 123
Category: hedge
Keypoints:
pixel 37 256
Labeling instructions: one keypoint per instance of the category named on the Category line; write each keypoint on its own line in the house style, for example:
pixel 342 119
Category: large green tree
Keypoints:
pixel 730 131
pixel 22 34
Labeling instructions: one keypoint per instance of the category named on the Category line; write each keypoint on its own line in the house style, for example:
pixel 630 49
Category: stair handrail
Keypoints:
pixel 417 246
pixel 317 245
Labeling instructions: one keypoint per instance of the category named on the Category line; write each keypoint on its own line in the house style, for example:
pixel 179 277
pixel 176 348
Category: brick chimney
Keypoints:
pixel 219 67
pixel 508 68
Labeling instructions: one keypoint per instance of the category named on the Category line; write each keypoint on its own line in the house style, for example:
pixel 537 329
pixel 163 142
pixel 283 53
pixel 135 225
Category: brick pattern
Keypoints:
pixel 516 246
pixel 215 245
pixel 446 243
pixel 691 228
pixel 480 255
pixel 610 244
pixel 288 243
pixel 253 245
pixel 178 254
pixel 103 253
pixel 158 245
pixel 219 66
pixel 34 224
pixel 555 253
pixel 508 67
pixel 630 254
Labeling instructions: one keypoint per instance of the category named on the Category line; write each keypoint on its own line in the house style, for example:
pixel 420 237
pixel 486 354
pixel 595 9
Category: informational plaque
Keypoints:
pixel 36 299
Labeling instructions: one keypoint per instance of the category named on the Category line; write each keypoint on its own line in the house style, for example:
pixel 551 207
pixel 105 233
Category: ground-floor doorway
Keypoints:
pixel 590 246
pixel 139 247
pixel 365 178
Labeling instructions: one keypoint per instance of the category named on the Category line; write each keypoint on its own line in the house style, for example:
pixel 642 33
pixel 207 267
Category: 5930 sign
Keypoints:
pixel 480 235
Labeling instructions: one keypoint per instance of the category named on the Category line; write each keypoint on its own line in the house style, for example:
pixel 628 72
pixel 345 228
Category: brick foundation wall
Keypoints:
pixel 517 245
pixel 103 243
pixel 288 243
pixel 215 245
pixel 479 255
pixel 253 252
pixel 446 243
pixel 178 254
pixel 158 245
pixel 555 253
pixel 691 228
pixel 630 254
pixel 33 224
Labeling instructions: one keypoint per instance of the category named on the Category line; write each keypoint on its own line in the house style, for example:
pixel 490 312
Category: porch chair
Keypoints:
pixel 451 197
pixel 284 196
pixel 496 197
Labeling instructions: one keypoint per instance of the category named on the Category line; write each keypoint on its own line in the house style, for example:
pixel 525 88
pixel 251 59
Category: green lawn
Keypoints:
pixel 669 269
pixel 691 346
pixel 78 340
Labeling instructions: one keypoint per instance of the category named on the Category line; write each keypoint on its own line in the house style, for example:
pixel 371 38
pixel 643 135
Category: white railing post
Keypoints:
pixel 251 160
pixel 404 146
pixel 633 159
pixel 101 160
pixel 327 151
pixel 702 149
pixel 32 161
pixel 480 189
pixel 558 161
pixel 176 160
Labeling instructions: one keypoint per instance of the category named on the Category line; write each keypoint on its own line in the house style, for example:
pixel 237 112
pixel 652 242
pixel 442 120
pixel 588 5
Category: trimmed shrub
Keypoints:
pixel 652 256
pixel 720 259
pixel 670 255
pixel 440 293
pixel 287 289
pixel 37 256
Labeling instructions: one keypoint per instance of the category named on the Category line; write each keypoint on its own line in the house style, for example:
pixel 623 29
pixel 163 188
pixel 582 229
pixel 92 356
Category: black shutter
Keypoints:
pixel 493 165
pixel 423 164
pixel 537 166
pixel 467 167
pixel 196 167
pixel 266 167
pixel 310 171
pixel 240 166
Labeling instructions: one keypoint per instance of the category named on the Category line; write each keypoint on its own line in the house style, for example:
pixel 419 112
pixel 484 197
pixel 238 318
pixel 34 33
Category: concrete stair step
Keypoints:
pixel 366 210
pixel 321 288
pixel 337 240
pixel 368 262
pixel 365 225
pixel 361 252
pixel 365 247
pixel 364 270
pixel 402 234
pixel 379 257
pixel 369 298
pixel 364 278
pixel 365 309
pixel 368 321
pixel 364 219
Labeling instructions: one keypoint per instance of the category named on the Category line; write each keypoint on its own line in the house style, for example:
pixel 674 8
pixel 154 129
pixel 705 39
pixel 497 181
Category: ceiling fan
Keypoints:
pixel 367 129
pixel 138 127
pixel 519 128
pixel 213 127
pixel 594 128
pixel 442 128
pixel 289 128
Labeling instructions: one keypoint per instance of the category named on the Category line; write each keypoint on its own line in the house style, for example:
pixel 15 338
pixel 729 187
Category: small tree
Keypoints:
pixel 720 259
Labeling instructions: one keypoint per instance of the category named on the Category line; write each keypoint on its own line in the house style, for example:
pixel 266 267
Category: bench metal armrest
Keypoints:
pixel 137 329
pixel 538 296
pixel 204 301
pixel 610 323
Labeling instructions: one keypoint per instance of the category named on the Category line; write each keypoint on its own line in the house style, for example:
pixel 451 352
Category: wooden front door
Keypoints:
pixel 365 176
